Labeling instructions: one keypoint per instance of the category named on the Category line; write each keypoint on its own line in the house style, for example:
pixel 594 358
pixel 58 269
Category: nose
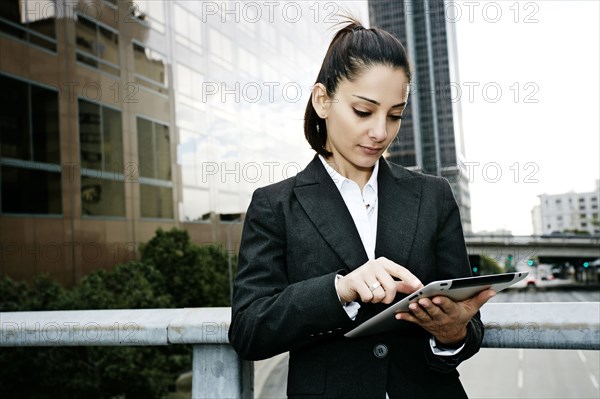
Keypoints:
pixel 378 131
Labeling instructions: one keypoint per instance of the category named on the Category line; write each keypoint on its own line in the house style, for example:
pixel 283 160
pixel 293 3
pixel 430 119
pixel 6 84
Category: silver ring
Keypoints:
pixel 374 286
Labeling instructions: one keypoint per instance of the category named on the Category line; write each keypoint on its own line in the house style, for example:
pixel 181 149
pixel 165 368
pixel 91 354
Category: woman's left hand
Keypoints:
pixel 445 319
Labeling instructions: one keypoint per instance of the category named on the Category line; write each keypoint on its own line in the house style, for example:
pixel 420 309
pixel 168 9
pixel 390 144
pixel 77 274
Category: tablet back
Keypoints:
pixel 458 289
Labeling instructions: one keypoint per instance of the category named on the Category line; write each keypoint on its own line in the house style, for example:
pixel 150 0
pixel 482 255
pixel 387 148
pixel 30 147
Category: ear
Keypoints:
pixel 320 100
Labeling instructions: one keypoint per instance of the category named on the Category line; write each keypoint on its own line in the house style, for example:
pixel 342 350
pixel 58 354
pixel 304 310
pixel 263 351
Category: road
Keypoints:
pixel 499 373
pixel 532 373
pixel 552 291
pixel 535 373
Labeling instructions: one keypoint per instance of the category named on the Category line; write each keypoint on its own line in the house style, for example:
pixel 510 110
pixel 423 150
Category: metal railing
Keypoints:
pixel 217 370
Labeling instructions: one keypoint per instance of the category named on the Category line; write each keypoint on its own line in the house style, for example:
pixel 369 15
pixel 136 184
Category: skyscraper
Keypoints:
pixel 430 138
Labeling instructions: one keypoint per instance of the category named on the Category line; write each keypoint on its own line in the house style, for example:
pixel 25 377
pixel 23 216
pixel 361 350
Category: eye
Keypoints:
pixel 396 117
pixel 361 114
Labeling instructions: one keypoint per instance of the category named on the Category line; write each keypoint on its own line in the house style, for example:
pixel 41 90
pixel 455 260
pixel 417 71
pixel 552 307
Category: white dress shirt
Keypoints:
pixel 363 208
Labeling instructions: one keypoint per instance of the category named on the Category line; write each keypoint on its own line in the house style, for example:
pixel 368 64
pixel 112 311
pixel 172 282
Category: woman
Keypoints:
pixel 331 247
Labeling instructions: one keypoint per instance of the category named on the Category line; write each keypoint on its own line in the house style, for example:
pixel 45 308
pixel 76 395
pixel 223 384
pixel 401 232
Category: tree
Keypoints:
pixel 576 232
pixel 489 265
pixel 194 276
pixel 173 272
pixel 135 285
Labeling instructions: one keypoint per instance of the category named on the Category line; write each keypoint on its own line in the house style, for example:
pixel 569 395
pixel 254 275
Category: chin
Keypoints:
pixel 367 163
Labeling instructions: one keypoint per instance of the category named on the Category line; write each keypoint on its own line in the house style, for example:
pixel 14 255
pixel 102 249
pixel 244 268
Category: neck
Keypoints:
pixel 359 175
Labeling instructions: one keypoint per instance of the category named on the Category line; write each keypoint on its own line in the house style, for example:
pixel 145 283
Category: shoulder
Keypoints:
pixel 428 182
pixel 313 173
pixel 279 189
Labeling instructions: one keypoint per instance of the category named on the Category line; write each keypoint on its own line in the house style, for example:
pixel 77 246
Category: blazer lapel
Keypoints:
pixel 324 205
pixel 399 196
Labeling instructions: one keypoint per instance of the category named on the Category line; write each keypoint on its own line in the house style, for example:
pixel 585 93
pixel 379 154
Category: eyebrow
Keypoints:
pixel 377 103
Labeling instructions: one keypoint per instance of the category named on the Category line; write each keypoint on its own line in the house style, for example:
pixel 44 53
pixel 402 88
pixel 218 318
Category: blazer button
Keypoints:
pixel 380 351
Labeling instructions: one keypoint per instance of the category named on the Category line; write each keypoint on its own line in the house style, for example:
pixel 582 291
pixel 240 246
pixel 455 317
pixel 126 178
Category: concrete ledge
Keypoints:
pixel 200 326
pixel 547 325
pixel 126 327
pixel 556 325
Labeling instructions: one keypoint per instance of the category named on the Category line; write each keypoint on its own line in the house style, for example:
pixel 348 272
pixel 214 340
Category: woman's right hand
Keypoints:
pixel 374 282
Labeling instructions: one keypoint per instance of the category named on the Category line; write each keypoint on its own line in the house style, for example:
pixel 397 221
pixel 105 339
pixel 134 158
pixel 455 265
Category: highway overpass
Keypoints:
pixel 548 249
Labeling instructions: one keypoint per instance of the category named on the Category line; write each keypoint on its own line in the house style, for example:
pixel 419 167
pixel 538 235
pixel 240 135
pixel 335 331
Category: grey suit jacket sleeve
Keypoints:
pixel 269 315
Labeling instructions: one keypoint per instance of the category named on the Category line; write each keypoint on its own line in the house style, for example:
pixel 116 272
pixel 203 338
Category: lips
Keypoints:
pixel 370 150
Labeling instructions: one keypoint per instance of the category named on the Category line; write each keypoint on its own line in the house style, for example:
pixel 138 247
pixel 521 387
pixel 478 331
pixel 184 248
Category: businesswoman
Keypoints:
pixel 351 233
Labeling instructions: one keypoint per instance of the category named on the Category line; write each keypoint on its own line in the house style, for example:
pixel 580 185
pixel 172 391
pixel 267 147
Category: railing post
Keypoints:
pixel 218 372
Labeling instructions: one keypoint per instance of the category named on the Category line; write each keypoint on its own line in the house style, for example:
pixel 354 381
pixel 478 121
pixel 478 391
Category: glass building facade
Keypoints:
pixel 431 138
pixel 120 117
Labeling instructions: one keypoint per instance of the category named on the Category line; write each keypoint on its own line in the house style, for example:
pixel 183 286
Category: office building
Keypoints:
pixel 567 213
pixel 431 138
pixel 119 117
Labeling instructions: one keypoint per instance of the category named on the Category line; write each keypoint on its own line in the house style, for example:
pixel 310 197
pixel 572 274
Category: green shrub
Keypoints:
pixel 172 272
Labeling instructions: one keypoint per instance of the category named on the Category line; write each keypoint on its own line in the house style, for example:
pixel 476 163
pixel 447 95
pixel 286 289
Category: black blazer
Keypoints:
pixel 298 234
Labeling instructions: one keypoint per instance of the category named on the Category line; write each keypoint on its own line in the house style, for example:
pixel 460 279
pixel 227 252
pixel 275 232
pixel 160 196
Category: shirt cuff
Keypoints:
pixel 441 351
pixel 351 308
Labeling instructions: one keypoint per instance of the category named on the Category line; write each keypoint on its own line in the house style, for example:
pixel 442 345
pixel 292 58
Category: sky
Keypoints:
pixel 542 131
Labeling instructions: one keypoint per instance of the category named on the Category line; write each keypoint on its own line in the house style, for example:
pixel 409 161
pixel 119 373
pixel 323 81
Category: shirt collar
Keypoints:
pixel 339 180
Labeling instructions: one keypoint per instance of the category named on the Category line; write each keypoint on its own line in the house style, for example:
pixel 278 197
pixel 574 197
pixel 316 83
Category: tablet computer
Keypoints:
pixel 457 289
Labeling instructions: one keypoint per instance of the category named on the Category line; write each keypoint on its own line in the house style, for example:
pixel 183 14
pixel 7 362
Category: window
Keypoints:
pixel 97 45
pixel 156 193
pixel 269 35
pixel 221 48
pixel 248 63
pixel 156 201
pixel 193 151
pixel 189 85
pixel 102 196
pixel 188 29
pixel 100 137
pixel 288 49
pixel 101 153
pixel 196 205
pixel 31 191
pixel 150 68
pixel 150 13
pixel 29 123
pixel 30 179
pixel 30 20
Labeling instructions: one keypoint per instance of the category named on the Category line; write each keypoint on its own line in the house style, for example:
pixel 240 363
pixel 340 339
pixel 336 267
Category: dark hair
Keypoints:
pixel 353 49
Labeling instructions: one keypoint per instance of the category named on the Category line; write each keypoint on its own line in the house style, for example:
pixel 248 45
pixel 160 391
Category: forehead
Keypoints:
pixel 381 83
